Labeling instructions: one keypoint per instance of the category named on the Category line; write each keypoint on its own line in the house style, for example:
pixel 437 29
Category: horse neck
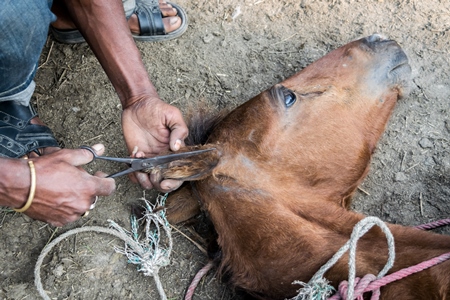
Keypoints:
pixel 304 219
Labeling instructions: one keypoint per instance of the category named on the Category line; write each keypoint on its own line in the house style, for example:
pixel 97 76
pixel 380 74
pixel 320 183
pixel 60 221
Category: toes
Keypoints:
pixel 171 23
pixel 171 20
pixel 167 10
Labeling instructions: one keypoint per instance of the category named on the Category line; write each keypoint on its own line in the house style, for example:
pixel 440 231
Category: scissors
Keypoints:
pixel 139 164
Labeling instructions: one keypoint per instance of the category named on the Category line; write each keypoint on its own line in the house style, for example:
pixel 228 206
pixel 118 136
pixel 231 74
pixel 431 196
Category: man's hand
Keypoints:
pixel 153 126
pixel 64 191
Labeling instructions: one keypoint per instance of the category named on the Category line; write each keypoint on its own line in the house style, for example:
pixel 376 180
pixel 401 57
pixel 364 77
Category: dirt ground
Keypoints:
pixel 232 51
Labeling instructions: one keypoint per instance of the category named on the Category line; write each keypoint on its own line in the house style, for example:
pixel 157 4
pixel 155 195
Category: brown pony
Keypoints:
pixel 286 165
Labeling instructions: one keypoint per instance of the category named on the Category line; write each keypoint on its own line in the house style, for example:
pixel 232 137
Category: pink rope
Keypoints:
pixel 196 280
pixel 369 283
pixel 360 285
pixel 433 225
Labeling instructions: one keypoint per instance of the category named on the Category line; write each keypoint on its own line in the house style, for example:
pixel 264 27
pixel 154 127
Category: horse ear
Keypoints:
pixel 192 168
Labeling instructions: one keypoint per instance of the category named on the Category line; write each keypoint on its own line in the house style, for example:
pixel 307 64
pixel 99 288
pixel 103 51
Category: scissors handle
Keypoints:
pixel 127 160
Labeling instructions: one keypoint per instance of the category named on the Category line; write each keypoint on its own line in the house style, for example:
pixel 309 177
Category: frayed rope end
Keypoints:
pixel 319 289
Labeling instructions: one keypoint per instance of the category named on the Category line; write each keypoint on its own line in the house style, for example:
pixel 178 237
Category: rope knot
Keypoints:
pixel 309 292
pixel 359 289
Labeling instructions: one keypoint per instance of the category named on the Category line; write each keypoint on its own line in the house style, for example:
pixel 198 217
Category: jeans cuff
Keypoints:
pixel 129 7
pixel 22 97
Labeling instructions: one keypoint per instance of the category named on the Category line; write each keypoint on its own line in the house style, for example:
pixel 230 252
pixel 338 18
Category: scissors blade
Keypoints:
pixel 121 173
pixel 148 163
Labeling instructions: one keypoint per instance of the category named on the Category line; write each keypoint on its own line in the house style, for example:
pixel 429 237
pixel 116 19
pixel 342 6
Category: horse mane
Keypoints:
pixel 201 123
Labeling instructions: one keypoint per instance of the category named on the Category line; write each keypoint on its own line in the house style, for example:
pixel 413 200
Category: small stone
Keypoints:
pixel 247 36
pixel 182 264
pixel 425 143
pixel 429 161
pixel 400 177
pixel 208 38
pixel 67 51
pixel 58 271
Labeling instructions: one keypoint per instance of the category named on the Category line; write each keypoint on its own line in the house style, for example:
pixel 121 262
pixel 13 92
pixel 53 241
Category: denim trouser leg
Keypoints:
pixel 23 31
pixel 129 6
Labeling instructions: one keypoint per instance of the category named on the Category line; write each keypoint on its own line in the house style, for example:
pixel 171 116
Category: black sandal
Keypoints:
pixel 18 136
pixel 150 24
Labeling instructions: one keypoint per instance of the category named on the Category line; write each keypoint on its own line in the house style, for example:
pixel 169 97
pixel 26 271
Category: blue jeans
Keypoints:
pixel 23 31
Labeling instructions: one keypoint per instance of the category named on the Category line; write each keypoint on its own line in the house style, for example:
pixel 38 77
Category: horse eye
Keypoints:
pixel 289 97
pixel 282 94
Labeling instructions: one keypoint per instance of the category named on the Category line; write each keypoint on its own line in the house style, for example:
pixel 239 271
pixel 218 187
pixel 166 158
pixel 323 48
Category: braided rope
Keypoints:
pixel 368 223
pixel 408 271
pixel 313 290
pixel 46 250
pixel 145 252
pixel 191 289
pixel 371 284
pixel 433 225
pixel 318 287
pixel 360 285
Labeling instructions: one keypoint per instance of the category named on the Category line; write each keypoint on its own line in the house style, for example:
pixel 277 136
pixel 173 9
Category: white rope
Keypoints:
pixel 146 252
pixel 46 250
pixel 318 287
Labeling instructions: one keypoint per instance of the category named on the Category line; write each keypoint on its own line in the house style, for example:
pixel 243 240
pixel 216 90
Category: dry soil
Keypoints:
pixel 232 51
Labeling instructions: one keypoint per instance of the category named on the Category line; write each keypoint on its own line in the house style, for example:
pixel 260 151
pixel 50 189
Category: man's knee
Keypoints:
pixel 23 32
pixel 25 22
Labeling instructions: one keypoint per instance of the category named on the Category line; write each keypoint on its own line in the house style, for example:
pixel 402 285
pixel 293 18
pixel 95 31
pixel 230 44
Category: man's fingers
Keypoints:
pixel 178 131
pixel 169 185
pixel 101 174
pixel 140 177
pixel 132 177
pixel 104 186
pixel 161 185
pixel 177 137
pixel 79 157
pixel 175 146
pixel 99 149
pixel 143 180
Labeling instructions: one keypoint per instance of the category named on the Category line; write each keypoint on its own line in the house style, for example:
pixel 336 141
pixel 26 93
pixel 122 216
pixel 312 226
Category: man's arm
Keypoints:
pixel 148 123
pixel 15 182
